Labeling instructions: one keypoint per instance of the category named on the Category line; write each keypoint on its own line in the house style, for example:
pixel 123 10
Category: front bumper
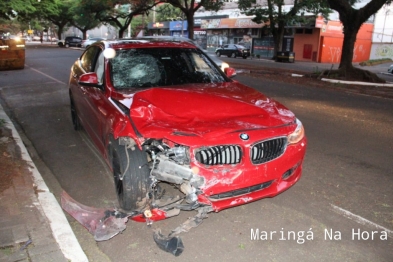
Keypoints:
pixel 225 188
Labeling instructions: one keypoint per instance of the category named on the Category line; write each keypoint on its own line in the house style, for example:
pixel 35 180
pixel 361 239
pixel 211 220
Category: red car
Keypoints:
pixel 161 112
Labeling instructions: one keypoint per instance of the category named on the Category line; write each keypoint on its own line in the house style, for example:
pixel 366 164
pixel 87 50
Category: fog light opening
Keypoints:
pixel 289 172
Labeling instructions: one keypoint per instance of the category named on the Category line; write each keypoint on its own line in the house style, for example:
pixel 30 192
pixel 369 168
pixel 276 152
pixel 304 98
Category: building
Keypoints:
pixel 382 36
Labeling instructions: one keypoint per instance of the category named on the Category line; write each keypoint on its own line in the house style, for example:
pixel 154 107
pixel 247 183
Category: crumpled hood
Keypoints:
pixel 209 110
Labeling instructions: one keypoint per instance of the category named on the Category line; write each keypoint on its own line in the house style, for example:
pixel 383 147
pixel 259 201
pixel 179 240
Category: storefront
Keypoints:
pixel 230 31
pixel 158 28
pixel 323 43
pixel 200 35
pixel 178 28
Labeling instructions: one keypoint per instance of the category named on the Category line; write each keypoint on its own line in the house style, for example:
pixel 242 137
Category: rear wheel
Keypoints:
pixel 244 57
pixel 131 175
pixel 233 55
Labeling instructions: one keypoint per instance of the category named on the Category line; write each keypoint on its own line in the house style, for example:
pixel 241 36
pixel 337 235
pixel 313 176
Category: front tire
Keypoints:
pixel 233 55
pixel 132 189
pixel 67 45
pixel 218 54
pixel 74 116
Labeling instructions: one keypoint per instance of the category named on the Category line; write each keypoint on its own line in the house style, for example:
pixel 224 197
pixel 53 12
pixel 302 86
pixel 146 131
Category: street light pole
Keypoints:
pixel 384 22
pixel 129 25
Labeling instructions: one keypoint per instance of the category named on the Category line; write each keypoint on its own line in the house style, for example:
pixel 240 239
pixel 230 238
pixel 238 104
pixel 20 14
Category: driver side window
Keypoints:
pixel 87 59
pixel 99 68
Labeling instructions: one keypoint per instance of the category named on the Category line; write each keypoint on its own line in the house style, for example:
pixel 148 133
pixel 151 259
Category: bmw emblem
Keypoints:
pixel 244 136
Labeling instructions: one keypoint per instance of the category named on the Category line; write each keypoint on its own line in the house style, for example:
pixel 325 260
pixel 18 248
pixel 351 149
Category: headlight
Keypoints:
pixel 223 66
pixel 298 134
pixel 179 154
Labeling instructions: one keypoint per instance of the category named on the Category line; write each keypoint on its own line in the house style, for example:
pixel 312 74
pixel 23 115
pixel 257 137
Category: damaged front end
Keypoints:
pixel 169 164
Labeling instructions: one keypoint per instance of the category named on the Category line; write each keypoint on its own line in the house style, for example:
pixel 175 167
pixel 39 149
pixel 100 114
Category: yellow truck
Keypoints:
pixel 12 54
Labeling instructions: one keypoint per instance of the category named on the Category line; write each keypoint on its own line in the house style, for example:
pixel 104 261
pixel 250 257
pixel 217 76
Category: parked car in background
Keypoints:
pixel 70 41
pixel 154 110
pixel 221 64
pixel 86 43
pixel 390 69
pixel 49 38
pixel 26 38
pixel 232 50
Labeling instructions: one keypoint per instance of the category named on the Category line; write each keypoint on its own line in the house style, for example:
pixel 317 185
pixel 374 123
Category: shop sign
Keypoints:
pixel 158 25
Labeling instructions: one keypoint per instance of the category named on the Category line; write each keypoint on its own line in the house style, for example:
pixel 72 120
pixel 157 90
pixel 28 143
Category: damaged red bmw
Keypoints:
pixel 161 112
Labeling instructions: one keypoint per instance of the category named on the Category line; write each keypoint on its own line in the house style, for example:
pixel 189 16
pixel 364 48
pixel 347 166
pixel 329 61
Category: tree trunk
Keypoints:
pixel 278 36
pixel 59 31
pixel 351 25
pixel 84 34
pixel 190 25
pixel 121 31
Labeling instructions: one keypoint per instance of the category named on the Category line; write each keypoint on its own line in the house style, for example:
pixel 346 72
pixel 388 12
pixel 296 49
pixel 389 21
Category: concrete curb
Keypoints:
pixel 61 229
pixel 349 82
pixel 355 82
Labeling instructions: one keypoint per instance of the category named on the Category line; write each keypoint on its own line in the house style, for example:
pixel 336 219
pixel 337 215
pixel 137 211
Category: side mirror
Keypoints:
pixel 230 72
pixel 89 79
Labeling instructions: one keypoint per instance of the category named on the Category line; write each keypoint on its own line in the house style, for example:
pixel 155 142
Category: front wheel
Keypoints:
pixel 131 175
pixel 233 55
pixel 74 116
pixel 218 53
pixel 244 57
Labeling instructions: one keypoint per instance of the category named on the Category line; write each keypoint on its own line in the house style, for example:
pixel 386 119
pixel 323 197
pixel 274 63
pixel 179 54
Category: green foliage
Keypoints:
pixel 167 12
pixel 83 18
pixel 275 12
pixel 10 9
pixel 372 62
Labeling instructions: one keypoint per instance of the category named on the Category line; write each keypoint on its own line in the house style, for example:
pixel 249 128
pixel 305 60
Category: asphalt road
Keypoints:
pixel 344 195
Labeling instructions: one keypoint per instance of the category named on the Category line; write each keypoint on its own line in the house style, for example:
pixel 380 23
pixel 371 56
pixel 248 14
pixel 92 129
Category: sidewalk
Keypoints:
pixel 33 226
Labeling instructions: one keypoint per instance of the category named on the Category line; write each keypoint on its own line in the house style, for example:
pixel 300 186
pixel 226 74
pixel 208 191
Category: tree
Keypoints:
pixel 167 12
pixel 189 7
pixel 63 17
pixel 38 13
pixel 277 15
pixel 83 19
pixel 352 19
pixel 118 13
pixel 10 9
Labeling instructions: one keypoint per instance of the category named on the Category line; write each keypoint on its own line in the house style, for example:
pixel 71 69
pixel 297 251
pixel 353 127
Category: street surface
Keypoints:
pixel 344 195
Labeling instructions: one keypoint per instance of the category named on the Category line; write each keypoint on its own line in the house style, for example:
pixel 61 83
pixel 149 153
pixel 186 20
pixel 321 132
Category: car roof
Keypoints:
pixel 147 43
pixel 171 38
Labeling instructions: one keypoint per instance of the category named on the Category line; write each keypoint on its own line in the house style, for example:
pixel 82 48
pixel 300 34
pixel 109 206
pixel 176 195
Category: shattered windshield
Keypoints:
pixel 149 67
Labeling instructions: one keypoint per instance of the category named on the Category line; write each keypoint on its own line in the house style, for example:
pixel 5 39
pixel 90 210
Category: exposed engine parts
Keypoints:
pixel 171 164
